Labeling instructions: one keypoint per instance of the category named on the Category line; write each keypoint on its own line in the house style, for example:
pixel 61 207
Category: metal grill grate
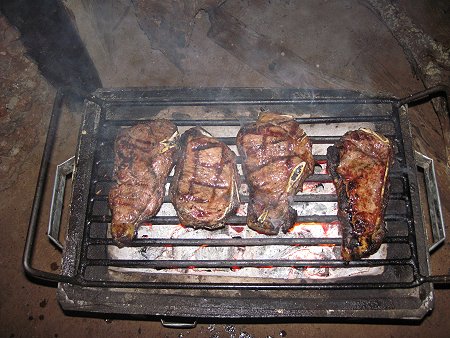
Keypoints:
pixel 318 111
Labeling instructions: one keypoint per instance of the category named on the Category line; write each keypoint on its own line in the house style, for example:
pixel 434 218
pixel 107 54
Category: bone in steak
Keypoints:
pixel 359 165
pixel 205 188
pixel 144 157
pixel 277 159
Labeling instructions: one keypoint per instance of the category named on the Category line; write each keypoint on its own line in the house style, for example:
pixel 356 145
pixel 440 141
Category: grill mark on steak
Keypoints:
pixel 144 157
pixel 191 198
pixel 277 158
pixel 206 146
pixel 136 144
pixel 359 164
pixel 287 158
pixel 209 185
pixel 219 169
pixel 204 190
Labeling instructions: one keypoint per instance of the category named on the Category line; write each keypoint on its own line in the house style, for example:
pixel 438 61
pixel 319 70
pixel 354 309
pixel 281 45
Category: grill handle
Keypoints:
pixel 441 105
pixel 434 202
pixel 40 275
pixel 439 99
pixel 33 273
pixel 63 170
pixel 436 216
pixel 440 90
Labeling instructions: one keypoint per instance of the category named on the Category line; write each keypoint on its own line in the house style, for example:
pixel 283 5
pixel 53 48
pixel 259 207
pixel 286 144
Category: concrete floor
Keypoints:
pixel 331 44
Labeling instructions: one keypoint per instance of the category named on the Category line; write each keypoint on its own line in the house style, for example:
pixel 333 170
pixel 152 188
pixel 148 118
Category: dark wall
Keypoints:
pixel 52 40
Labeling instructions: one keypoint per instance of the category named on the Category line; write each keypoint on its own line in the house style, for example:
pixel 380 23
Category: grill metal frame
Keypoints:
pixel 75 256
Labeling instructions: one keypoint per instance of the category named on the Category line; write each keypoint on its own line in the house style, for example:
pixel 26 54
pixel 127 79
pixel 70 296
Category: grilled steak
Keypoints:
pixel 359 165
pixel 205 188
pixel 277 159
pixel 144 157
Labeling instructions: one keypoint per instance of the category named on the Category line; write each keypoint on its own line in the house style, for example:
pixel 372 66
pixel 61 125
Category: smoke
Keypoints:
pixel 279 43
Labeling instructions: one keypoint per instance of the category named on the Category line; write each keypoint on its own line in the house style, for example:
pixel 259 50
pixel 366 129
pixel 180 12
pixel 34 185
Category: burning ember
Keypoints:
pixel 230 253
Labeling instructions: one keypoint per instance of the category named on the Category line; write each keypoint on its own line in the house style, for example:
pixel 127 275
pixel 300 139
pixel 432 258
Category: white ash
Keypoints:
pixel 281 252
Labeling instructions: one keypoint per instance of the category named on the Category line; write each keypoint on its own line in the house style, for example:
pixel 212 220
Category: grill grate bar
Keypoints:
pixel 223 242
pixel 237 122
pixel 240 220
pixel 261 263
pixel 231 141
pixel 322 285
pixel 231 220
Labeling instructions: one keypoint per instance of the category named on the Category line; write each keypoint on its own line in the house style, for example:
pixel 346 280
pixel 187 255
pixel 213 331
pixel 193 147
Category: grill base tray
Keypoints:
pixel 408 304
pixel 398 295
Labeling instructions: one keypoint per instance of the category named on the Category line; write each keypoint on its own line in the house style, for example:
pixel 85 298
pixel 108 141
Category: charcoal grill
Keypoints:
pixel 93 281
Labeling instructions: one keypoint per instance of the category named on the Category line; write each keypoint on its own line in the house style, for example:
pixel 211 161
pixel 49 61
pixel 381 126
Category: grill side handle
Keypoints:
pixel 27 260
pixel 435 209
pixel 63 170
pixel 33 273
pixel 434 202
pixel 439 96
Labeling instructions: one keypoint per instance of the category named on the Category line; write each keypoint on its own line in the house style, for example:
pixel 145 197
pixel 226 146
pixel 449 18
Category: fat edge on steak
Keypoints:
pixel 359 164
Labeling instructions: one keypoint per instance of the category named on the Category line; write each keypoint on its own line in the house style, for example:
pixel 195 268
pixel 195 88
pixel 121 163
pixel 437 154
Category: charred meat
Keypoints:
pixel 205 188
pixel 144 157
pixel 277 159
pixel 359 165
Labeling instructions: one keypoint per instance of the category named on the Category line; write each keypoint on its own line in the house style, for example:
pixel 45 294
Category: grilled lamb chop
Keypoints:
pixel 144 157
pixel 277 159
pixel 205 188
pixel 359 165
